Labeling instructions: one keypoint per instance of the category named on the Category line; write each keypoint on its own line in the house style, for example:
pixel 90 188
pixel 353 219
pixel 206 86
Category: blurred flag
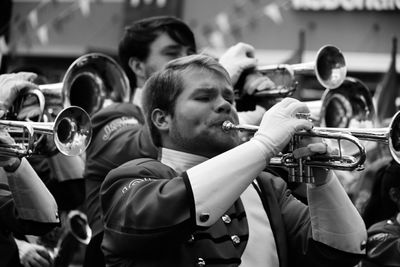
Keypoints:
pixel 388 89
pixel 134 3
pixel 43 34
pixel 222 21
pixel 273 12
pixel 33 18
pixel 84 6
pixel 3 45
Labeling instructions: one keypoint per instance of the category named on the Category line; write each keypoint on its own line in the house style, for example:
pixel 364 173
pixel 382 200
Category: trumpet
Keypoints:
pixel 329 67
pixel 71 131
pixel 300 168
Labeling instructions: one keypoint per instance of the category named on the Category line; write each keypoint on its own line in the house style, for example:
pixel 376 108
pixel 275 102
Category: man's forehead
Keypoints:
pixel 205 78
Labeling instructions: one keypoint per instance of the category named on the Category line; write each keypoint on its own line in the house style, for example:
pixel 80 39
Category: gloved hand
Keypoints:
pixel 10 86
pixel 30 110
pixel 33 255
pixel 238 58
pixel 256 82
pixel 279 124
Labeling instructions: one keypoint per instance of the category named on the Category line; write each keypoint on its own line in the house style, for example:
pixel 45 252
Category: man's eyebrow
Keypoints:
pixel 203 89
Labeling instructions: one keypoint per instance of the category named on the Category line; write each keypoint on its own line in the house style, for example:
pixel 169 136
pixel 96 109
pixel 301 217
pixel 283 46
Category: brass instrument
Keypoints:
pixel 349 104
pixel 77 233
pixel 300 168
pixel 71 131
pixel 329 68
pixel 91 82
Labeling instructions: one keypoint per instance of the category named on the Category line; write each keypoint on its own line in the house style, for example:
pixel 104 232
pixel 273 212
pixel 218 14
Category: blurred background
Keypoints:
pixel 50 34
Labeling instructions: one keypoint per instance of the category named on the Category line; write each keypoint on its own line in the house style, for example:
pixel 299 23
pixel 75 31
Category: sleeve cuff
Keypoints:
pixel 334 219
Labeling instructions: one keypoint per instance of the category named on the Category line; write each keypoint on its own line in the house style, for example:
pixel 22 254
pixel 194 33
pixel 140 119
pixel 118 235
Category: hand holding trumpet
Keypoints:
pixel 10 87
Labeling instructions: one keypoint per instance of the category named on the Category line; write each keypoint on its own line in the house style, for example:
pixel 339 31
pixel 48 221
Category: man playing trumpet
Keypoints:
pixel 208 201
pixel 26 205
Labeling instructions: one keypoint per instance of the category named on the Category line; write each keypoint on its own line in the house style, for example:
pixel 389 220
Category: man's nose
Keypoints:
pixel 223 105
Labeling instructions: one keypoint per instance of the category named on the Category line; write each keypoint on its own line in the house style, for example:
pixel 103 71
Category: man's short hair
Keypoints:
pixel 140 34
pixel 163 88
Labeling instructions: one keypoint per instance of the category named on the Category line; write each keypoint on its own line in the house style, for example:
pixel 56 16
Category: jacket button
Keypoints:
pixel 235 240
pixel 201 262
pixel 226 219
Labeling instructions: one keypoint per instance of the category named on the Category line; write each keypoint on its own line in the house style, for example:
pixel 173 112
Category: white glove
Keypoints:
pixel 279 124
pixel 237 59
pixel 10 86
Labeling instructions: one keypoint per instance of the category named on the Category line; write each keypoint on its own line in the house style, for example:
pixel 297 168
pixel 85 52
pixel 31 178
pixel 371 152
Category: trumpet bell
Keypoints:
pixel 72 131
pixel 91 82
pixel 394 137
pixel 349 105
pixel 330 67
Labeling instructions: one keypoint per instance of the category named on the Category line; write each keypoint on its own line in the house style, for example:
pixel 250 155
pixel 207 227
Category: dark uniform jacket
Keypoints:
pixel 149 218
pixel 118 137
pixel 383 245
pixel 12 222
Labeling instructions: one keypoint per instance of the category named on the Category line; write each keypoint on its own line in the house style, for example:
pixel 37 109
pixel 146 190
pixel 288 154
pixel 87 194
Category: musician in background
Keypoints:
pixel 383 243
pixel 118 135
pixel 26 205
pixel 62 175
pixel 208 201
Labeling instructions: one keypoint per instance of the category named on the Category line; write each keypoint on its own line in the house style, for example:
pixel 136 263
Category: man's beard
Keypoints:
pixel 206 144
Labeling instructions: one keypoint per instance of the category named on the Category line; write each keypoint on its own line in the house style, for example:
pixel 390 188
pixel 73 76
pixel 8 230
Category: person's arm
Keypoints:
pixel 335 220
pixel 218 182
pixel 33 200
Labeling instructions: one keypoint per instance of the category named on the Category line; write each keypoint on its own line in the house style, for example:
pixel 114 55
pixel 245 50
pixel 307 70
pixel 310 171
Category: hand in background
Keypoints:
pixel 10 86
pixel 33 255
pixel 238 58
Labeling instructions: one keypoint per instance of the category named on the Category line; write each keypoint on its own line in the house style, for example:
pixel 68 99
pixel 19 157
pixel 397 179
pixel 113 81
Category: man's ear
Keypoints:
pixel 137 66
pixel 160 119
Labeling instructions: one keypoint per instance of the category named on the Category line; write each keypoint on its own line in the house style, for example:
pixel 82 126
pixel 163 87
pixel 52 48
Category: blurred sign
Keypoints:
pixel 348 5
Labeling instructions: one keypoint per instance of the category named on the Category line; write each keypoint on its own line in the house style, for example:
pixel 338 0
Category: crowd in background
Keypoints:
pixel 161 184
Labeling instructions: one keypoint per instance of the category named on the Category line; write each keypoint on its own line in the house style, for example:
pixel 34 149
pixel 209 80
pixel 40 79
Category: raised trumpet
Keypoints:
pixel 329 67
pixel 300 168
pixel 71 131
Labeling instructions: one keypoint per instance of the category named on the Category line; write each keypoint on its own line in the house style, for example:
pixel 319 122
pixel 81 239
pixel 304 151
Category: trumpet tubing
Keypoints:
pixel 329 67
pixel 299 168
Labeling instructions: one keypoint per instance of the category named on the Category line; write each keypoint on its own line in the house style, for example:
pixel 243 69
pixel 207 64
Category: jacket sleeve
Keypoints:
pixel 26 206
pixel 303 250
pixel 145 206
